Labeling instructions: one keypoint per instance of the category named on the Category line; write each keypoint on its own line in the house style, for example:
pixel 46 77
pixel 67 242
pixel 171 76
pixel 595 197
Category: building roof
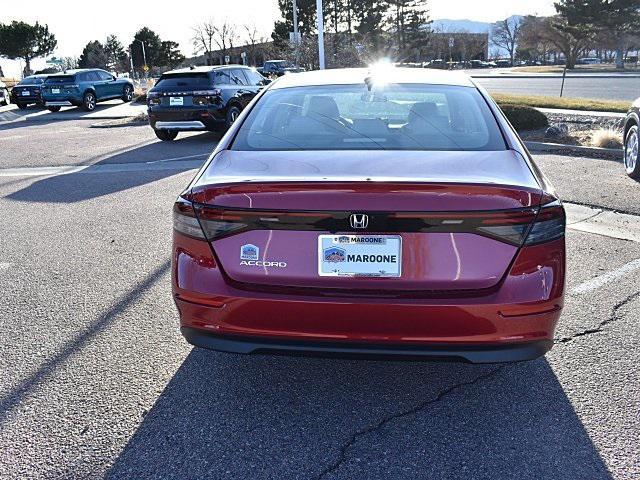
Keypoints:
pixel 390 74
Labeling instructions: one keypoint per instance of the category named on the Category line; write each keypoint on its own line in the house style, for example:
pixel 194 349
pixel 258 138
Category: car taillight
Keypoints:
pixel 206 225
pixel 185 221
pixel 549 224
pixel 203 100
pixel 153 100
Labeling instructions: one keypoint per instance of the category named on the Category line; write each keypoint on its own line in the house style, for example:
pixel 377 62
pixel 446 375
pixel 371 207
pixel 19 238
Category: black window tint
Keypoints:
pixel 104 76
pixel 253 77
pixel 237 78
pixel 56 79
pixel 186 79
pixel 223 77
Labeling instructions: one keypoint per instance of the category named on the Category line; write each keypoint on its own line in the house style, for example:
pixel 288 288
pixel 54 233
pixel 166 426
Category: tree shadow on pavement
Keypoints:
pixel 261 417
pixel 121 171
pixel 34 115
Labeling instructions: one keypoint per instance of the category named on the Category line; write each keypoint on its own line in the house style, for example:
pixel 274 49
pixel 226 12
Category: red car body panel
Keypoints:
pixel 526 306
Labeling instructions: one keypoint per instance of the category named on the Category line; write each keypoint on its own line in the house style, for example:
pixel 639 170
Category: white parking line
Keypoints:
pixel 601 280
pixel 102 168
pixel 180 158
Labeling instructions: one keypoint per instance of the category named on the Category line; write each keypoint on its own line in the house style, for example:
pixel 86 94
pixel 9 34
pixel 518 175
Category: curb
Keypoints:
pixel 595 152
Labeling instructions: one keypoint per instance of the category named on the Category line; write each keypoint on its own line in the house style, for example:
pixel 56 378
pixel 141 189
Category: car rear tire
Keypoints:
pixel 166 135
pixel 232 115
pixel 631 163
pixel 127 94
pixel 55 108
pixel 89 102
pixel 22 106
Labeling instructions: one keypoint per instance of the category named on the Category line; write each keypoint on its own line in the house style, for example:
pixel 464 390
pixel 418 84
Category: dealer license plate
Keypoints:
pixel 359 255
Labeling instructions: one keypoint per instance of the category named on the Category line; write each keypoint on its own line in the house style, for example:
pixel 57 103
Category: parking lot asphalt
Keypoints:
pixel 97 381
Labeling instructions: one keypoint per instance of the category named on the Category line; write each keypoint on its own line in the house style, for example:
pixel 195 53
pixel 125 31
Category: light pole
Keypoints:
pixel 144 57
pixel 295 31
pixel 320 34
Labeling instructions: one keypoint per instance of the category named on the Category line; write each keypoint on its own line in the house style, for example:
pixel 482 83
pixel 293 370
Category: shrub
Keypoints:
pixel 525 118
pixel 606 138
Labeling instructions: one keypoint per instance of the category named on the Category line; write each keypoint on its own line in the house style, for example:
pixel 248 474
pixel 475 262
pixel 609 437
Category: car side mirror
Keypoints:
pixel 266 81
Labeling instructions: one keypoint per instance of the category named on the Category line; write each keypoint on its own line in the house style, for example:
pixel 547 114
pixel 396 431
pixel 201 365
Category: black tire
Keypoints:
pixel 89 102
pixel 22 106
pixel 55 108
pixel 166 135
pixel 232 115
pixel 631 147
pixel 127 94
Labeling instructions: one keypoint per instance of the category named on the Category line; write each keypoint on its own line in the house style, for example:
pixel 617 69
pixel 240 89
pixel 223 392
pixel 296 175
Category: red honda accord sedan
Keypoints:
pixel 389 212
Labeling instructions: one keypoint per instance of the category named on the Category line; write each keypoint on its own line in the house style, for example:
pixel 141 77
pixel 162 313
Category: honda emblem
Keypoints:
pixel 359 220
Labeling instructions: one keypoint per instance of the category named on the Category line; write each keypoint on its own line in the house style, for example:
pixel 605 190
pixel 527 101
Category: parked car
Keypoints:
pixel 279 68
pixel 589 61
pixel 346 214
pixel 503 63
pixel 28 91
pixel 631 136
pixel 478 64
pixel 84 88
pixel 201 98
pixel 4 94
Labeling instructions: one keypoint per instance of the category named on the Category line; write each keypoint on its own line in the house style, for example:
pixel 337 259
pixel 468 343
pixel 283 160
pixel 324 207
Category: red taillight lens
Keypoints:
pixel 185 221
pixel 550 224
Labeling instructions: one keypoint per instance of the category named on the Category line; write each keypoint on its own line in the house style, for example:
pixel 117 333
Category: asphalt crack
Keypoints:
pixel 344 450
pixel 600 327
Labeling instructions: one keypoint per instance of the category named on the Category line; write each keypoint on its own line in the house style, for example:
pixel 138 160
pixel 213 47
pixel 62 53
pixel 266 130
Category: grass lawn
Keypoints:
pixel 565 103
pixel 602 68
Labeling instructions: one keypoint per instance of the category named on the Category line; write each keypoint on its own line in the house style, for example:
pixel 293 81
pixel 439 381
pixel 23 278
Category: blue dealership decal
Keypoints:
pixel 334 255
pixel 249 252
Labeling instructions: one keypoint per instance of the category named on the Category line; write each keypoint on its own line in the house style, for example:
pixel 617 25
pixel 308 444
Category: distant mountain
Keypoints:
pixel 471 26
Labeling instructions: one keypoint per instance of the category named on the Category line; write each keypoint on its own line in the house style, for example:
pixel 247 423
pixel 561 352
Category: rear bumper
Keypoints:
pixel 25 99
pixel 470 353
pixel 187 118
pixel 58 103
pixel 515 322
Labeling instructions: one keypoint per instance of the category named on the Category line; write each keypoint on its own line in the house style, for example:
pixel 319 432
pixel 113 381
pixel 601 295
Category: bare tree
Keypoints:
pixel 224 36
pixel 505 34
pixel 203 35
pixel 254 38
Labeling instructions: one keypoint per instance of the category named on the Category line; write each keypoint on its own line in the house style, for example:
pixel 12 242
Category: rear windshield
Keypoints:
pixel 389 117
pixel 32 81
pixel 60 79
pixel 184 80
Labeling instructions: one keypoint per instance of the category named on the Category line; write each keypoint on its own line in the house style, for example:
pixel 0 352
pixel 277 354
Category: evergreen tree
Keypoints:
pixel 24 41
pixel 117 58
pixel 93 55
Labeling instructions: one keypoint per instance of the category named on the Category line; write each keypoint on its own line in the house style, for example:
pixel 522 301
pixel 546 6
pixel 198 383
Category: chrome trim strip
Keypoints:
pixel 186 125
pixel 65 103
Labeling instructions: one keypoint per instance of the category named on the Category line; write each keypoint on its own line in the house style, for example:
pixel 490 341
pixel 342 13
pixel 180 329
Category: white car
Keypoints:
pixel 4 94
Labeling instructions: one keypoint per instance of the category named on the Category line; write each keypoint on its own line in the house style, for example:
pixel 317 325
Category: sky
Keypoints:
pixel 68 20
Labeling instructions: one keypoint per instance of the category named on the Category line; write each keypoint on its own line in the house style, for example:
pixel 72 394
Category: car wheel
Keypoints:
pixel 631 163
pixel 127 94
pixel 55 108
pixel 89 102
pixel 22 106
pixel 232 115
pixel 166 135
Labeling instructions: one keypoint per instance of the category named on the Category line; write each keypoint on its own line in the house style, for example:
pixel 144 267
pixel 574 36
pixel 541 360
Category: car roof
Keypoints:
pixel 347 76
pixel 73 71
pixel 203 69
